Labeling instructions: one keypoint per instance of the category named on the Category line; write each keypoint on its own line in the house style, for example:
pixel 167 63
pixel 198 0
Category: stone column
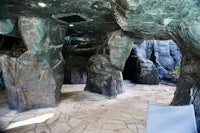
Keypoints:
pixel 39 71
pixel 187 37
pixel 105 71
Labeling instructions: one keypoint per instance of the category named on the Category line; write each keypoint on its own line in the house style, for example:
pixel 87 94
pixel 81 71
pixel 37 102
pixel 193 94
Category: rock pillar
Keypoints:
pixel 38 73
pixel 105 70
pixel 187 37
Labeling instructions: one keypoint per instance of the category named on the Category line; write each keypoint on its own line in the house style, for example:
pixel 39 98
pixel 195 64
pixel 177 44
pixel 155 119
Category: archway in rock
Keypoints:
pixel 76 52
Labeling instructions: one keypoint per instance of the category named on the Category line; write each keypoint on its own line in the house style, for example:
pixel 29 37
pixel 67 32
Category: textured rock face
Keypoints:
pixel 144 19
pixel 104 71
pixel 152 60
pixel 139 69
pixel 8 26
pixel 146 72
pixel 154 18
pixel 39 73
pixel 187 36
pixel 103 78
pixel 34 79
pixel 9 75
pixel 164 54
pixel 119 49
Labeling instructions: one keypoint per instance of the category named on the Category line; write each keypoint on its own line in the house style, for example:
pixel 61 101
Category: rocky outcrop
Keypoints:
pixel 102 77
pixel 187 37
pixel 152 60
pixel 105 71
pixel 144 19
pixel 34 79
pixel 164 54
pixel 146 72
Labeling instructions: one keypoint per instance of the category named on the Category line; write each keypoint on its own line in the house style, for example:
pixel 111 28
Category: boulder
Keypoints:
pixel 146 72
pixel 102 77
pixel 105 71
pixel 39 74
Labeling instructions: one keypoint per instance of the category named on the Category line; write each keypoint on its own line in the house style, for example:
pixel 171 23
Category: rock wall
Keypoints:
pixel 105 71
pixel 152 60
pixel 187 36
pixel 35 78
pixel 8 65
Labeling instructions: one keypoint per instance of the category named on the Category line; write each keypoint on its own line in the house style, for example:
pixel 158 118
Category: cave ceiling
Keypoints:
pixel 145 19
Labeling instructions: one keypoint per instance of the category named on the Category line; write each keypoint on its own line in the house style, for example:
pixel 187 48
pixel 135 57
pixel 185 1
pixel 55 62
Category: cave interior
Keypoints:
pixel 47 43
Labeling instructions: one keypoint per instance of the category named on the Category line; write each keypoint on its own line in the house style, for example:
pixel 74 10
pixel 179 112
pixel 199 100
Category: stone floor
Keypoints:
pixel 85 112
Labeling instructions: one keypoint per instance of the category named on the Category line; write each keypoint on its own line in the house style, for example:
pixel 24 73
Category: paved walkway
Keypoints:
pixel 85 112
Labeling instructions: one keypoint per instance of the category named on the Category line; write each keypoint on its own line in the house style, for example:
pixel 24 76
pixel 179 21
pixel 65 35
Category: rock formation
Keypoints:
pixel 34 79
pixel 142 19
pixel 187 37
pixel 152 61
pixel 105 71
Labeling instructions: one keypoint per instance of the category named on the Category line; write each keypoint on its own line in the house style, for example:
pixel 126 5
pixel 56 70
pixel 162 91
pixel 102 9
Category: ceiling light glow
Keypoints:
pixel 41 4
pixel 96 6
pixel 71 25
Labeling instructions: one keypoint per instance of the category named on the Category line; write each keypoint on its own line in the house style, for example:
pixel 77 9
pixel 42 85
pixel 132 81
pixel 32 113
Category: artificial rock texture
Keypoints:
pixel 34 79
pixel 8 26
pixel 143 19
pixel 105 71
pixel 152 60
pixel 102 77
pixel 146 72
pixel 9 76
pixel 187 36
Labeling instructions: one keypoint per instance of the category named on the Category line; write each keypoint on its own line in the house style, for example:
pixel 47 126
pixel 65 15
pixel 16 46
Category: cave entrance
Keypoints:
pixel 154 62
pixel 11 47
pixel 76 52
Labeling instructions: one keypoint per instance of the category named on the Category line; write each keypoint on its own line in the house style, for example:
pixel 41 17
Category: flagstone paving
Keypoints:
pixel 85 112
